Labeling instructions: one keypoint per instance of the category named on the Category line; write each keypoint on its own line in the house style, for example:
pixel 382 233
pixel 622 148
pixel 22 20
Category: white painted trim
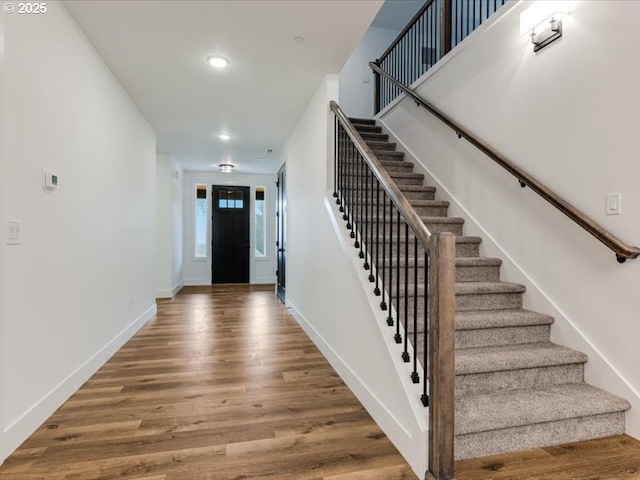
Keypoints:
pixel 264 280
pixel 20 429
pixel 197 282
pixel 170 293
pixel 599 371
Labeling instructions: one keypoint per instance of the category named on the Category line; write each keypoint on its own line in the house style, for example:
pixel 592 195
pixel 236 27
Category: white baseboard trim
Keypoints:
pixel 170 293
pixel 20 429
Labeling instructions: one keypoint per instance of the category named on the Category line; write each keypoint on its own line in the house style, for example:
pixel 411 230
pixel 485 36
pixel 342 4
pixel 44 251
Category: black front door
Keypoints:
pixel 281 240
pixel 230 235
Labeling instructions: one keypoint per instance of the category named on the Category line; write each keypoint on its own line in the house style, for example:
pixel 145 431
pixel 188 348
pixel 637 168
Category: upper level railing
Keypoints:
pixel 622 250
pixel 437 27
pixel 405 261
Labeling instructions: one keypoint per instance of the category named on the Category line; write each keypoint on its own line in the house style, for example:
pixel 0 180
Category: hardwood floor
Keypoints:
pixel 222 385
pixel 613 458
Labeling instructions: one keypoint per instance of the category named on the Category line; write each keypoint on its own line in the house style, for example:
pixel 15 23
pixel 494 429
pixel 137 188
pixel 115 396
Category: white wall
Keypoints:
pixel 325 288
pixel 568 115
pixel 356 96
pixel 169 226
pixel 2 402
pixel 198 271
pixel 82 280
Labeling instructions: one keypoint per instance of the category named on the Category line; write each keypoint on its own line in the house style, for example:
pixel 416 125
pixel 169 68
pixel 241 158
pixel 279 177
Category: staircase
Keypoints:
pixel 514 389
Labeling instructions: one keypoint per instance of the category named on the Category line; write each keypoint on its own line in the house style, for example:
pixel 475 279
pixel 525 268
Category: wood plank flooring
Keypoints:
pixel 613 458
pixel 224 385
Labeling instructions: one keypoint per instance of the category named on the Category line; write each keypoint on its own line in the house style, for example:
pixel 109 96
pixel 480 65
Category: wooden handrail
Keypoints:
pixel 402 204
pixel 622 250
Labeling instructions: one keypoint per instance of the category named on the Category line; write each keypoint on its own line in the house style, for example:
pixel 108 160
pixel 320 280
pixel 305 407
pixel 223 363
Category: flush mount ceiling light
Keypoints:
pixel 226 168
pixel 224 136
pixel 299 40
pixel 217 61
pixel 543 22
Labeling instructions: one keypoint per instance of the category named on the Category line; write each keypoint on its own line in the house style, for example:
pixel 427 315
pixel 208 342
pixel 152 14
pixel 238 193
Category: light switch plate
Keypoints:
pixel 614 204
pixel 13 232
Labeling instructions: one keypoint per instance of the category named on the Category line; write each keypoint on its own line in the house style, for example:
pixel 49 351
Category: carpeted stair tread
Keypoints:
pixel 512 408
pixel 364 121
pixel 514 357
pixel 482 288
pixel 417 188
pixel 360 127
pixel 460 239
pixel 366 136
pixel 460 261
pixel 380 145
pixel 476 320
pixel 406 175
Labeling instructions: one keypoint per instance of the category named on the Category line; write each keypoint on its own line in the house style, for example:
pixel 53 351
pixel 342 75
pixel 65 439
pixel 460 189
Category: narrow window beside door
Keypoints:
pixel 201 222
pixel 260 224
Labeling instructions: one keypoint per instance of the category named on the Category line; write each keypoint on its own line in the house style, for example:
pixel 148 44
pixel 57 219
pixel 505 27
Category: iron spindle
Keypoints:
pixel 405 353
pixel 383 304
pixel 390 317
pixel 397 337
pixel 415 377
pixel 376 290
pixel 425 339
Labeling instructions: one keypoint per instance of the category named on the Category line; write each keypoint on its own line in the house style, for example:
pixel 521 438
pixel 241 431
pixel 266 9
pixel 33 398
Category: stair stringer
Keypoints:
pixel 599 371
pixel 410 437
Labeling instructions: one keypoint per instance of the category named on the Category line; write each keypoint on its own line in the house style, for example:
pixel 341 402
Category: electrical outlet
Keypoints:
pixel 614 204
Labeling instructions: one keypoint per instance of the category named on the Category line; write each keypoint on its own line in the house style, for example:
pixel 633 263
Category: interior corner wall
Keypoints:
pixel 197 271
pixel 81 281
pixel 567 115
pixel 169 226
pixel 323 288
pixel 2 177
pixel 356 77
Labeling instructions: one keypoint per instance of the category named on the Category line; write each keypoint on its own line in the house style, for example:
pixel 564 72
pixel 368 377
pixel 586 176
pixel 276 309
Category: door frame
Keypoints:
pixel 246 212
pixel 281 233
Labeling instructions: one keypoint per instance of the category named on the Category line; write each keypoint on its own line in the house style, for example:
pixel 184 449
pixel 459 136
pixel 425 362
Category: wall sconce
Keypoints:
pixel 543 22
pixel 226 168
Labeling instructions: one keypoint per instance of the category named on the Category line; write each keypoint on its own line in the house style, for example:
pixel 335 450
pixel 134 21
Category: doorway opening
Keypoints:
pixel 281 238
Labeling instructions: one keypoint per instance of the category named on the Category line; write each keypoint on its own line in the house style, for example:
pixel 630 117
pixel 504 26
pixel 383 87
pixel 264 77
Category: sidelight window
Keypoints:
pixel 260 224
pixel 201 222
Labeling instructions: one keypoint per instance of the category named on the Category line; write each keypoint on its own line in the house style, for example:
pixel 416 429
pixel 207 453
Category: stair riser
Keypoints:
pixel 368 128
pixel 498 301
pixel 488 301
pixel 538 435
pixel 475 384
pixel 359 171
pixel 463 274
pixel 463 250
pixel 376 137
pixel 409 195
pixel 493 337
pixel 422 210
pixel 346 145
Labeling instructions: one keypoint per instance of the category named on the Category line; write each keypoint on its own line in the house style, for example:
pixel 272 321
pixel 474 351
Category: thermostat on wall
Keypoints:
pixel 50 180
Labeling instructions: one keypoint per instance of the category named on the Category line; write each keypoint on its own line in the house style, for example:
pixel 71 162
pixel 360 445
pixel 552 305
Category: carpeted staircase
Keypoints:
pixel 515 389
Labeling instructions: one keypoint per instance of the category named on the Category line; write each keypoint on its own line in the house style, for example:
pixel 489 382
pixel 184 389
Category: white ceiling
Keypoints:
pixel 158 50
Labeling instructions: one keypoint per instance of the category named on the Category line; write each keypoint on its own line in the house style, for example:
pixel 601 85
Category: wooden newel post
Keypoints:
pixel 376 92
pixel 441 356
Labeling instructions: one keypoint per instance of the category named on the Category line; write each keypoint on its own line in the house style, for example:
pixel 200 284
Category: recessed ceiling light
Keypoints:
pixel 217 61
pixel 299 40
pixel 224 136
pixel 226 168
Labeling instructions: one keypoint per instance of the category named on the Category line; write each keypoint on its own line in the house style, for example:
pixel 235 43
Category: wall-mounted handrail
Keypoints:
pixel 380 230
pixel 622 250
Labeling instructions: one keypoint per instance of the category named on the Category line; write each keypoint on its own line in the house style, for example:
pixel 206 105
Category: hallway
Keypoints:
pixel 222 385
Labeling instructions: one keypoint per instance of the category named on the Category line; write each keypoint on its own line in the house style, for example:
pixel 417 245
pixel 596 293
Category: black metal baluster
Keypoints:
pixel 336 146
pixel 425 336
pixel 376 290
pixel 390 292
pixel 415 377
pixel 368 244
pixel 359 173
pixel 356 203
pixel 345 174
pixel 405 353
pixel 397 336
pixel 383 304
